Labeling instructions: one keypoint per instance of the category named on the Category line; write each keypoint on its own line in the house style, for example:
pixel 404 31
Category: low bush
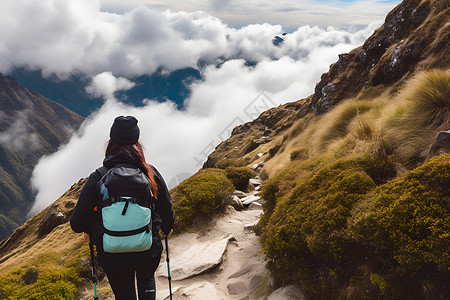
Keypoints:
pixel 231 162
pixel 379 163
pixel 240 176
pixel 199 196
pixel 47 283
pixel 299 154
pixel 331 230
pixel 406 228
pixel 305 234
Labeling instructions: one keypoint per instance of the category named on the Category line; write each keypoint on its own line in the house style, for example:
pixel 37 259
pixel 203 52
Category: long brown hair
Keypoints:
pixel 136 151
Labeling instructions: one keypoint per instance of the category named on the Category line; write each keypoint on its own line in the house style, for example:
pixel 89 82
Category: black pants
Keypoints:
pixel 122 281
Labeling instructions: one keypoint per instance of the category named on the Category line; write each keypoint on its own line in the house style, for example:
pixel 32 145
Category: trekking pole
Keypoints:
pixel 94 275
pixel 168 268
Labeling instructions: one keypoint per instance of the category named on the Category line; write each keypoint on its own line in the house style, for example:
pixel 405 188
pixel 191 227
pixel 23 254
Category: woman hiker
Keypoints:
pixel 121 209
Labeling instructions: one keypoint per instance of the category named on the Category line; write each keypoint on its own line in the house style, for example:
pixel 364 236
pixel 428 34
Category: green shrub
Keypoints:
pixel 200 195
pixel 51 283
pixel 299 154
pixel 231 162
pixel 305 234
pixel 379 163
pixel 406 227
pixel 240 176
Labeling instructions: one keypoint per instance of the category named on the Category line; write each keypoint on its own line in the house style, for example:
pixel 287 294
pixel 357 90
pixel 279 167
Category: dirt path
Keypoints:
pixel 240 275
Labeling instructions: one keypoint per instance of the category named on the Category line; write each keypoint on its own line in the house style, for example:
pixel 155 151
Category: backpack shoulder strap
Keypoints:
pixel 102 171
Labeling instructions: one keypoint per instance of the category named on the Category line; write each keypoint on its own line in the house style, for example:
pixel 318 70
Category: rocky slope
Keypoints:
pixel 30 126
pixel 414 37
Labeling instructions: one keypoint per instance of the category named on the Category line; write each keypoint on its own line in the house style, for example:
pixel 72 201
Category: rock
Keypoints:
pixel 255 181
pixel 255 206
pixel 249 199
pixel 244 270
pixel 196 260
pixel 200 290
pixel 440 145
pixel 255 282
pixel 252 146
pixel 290 292
pixel 250 226
pixel 236 203
pixel 236 288
pixel 240 194
pixel 53 218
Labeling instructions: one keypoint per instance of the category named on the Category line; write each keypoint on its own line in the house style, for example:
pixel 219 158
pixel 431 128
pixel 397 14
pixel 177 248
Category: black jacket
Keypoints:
pixel 86 219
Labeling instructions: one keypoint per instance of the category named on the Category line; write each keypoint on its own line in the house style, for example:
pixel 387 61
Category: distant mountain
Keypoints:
pixel 30 126
pixel 71 92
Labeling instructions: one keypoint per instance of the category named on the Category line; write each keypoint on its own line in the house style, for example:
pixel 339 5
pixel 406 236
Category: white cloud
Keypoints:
pixel 106 84
pixel 289 13
pixel 18 135
pixel 176 141
pixel 75 36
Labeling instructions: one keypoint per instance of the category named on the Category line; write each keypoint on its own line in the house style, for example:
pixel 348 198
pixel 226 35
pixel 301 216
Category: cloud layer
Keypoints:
pixel 290 13
pixel 176 141
pixel 75 36
pixel 243 74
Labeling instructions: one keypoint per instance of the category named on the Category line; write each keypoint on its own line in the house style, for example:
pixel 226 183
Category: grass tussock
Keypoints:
pixel 424 110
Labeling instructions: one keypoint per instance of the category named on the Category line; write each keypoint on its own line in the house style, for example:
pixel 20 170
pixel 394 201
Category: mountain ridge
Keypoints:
pixel 31 126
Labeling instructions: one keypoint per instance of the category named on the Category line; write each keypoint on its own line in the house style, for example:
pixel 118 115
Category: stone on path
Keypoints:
pixel 290 292
pixel 239 194
pixel 197 291
pixel 249 199
pixel 199 258
pixel 236 203
pixel 255 181
pixel 255 205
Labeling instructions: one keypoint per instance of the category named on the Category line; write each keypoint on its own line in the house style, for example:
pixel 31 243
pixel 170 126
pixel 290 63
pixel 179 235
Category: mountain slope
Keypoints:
pixel 415 37
pixel 30 126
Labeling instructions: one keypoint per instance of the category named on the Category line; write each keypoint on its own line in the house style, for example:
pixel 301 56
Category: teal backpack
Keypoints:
pixel 126 209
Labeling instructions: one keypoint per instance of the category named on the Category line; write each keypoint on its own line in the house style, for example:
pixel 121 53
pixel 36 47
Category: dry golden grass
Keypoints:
pixel 408 121
pixel 422 110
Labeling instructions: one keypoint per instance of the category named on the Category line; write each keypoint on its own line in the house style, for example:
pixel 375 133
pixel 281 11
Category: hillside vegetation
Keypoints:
pixel 352 211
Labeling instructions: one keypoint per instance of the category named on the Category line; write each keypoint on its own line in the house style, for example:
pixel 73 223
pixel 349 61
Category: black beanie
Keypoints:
pixel 125 130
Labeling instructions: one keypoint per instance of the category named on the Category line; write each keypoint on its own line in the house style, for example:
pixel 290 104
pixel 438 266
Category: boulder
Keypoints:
pixel 249 199
pixel 255 206
pixel 53 218
pixel 440 145
pixel 201 290
pixel 237 287
pixel 198 259
pixel 240 194
pixel 236 203
pixel 290 292
pixel 255 181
